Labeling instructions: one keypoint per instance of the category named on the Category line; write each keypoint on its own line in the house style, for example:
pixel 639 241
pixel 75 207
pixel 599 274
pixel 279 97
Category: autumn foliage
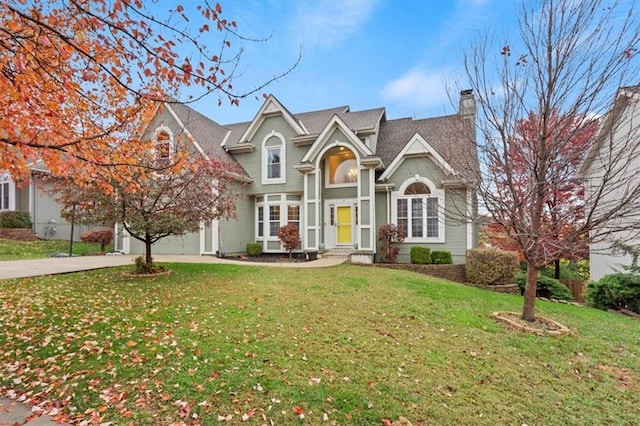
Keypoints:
pixel 289 235
pixel 103 237
pixel 79 78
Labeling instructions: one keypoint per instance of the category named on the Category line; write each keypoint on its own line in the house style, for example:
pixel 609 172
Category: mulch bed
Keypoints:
pixel 271 258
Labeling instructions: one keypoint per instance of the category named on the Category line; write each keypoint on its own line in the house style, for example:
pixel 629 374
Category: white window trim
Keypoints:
pixel 283 203
pixel 172 144
pixel 435 193
pixel 283 159
pixel 6 178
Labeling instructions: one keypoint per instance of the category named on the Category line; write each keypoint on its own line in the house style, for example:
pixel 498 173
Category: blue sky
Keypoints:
pixel 362 53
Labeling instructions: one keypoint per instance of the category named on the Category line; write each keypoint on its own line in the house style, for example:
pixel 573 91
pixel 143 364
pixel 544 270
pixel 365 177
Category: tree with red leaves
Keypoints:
pixel 563 209
pixel 536 99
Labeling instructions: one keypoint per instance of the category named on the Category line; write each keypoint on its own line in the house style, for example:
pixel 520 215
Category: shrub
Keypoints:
pixel 12 219
pixel 491 266
pixel 143 268
pixel 420 255
pixel 103 237
pixel 547 287
pixel 289 237
pixel 254 249
pixel 441 257
pixel 615 291
pixel 389 236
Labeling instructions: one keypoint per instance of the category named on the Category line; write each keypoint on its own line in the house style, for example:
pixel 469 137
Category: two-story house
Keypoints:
pixel 337 174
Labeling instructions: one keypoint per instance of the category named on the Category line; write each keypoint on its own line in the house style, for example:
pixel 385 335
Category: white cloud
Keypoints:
pixel 417 88
pixel 327 23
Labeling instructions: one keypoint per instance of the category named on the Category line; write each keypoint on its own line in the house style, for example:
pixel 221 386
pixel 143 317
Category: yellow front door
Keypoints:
pixel 344 224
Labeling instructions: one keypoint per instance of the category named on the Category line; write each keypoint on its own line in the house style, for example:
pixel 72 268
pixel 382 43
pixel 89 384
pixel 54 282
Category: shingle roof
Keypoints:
pixel 207 132
pixel 448 135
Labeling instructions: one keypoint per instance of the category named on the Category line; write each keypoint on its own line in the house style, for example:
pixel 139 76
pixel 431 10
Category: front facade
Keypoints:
pixel 615 157
pixel 337 174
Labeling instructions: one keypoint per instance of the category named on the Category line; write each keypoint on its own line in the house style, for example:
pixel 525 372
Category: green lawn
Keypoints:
pixel 349 344
pixel 15 250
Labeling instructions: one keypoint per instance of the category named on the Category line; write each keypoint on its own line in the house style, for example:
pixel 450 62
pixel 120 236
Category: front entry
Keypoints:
pixel 343 225
pixel 340 223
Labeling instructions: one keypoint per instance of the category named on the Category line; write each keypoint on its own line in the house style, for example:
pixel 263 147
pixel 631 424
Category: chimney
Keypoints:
pixel 467 108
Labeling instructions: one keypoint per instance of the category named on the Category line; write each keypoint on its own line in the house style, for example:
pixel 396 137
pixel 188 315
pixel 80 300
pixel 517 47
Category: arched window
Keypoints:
pixel 418 210
pixel 341 167
pixel 273 159
pixel 163 146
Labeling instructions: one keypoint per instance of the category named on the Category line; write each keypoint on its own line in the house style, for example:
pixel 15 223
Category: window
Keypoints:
pixel 273 163
pixel 163 146
pixel 274 220
pixel 4 196
pixel 6 191
pixel 341 167
pixel 273 159
pixel 260 221
pixel 418 210
pixel 274 211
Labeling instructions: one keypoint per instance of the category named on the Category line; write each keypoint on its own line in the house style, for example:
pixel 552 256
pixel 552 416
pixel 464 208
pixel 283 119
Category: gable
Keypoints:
pixel 327 138
pixel 418 147
pixel 270 108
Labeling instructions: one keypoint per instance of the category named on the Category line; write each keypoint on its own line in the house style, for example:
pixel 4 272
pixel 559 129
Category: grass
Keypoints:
pixel 347 344
pixel 14 250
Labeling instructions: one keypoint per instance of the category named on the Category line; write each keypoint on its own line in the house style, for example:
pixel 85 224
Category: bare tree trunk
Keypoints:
pixel 147 250
pixel 557 264
pixel 528 309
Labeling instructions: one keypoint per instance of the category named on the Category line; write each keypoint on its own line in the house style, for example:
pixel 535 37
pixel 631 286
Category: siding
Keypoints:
pixel 236 233
pixel 47 222
pixel 252 162
pixel 455 204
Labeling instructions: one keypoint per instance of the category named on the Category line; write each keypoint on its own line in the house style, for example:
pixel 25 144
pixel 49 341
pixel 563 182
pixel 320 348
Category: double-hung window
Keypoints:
pixel 418 212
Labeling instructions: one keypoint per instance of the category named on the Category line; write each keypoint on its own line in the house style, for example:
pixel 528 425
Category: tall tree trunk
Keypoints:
pixel 147 249
pixel 528 310
pixel 557 263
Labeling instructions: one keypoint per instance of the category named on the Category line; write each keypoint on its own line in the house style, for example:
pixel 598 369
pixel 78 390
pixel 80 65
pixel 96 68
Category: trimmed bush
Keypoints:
pixel 491 266
pixel 441 257
pixel 289 237
pixel 103 237
pixel 420 255
pixel 615 291
pixel 547 287
pixel 254 249
pixel 12 219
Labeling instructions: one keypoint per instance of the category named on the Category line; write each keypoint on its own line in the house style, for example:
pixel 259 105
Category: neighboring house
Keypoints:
pixel 41 206
pixel 618 144
pixel 337 174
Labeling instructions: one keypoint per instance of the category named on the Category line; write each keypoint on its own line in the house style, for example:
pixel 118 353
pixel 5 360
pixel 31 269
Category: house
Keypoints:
pixel 337 174
pixel 33 197
pixel 615 156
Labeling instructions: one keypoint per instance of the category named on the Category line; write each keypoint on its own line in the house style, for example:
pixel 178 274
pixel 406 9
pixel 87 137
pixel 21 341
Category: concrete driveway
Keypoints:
pixel 62 265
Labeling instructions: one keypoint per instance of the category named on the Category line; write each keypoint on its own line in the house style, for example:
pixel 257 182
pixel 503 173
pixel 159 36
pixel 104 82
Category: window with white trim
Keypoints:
pixel 6 191
pixel 273 159
pixel 163 147
pixel 418 210
pixel 274 211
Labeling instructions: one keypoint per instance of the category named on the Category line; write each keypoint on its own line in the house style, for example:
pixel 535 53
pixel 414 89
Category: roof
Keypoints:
pixel 445 134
